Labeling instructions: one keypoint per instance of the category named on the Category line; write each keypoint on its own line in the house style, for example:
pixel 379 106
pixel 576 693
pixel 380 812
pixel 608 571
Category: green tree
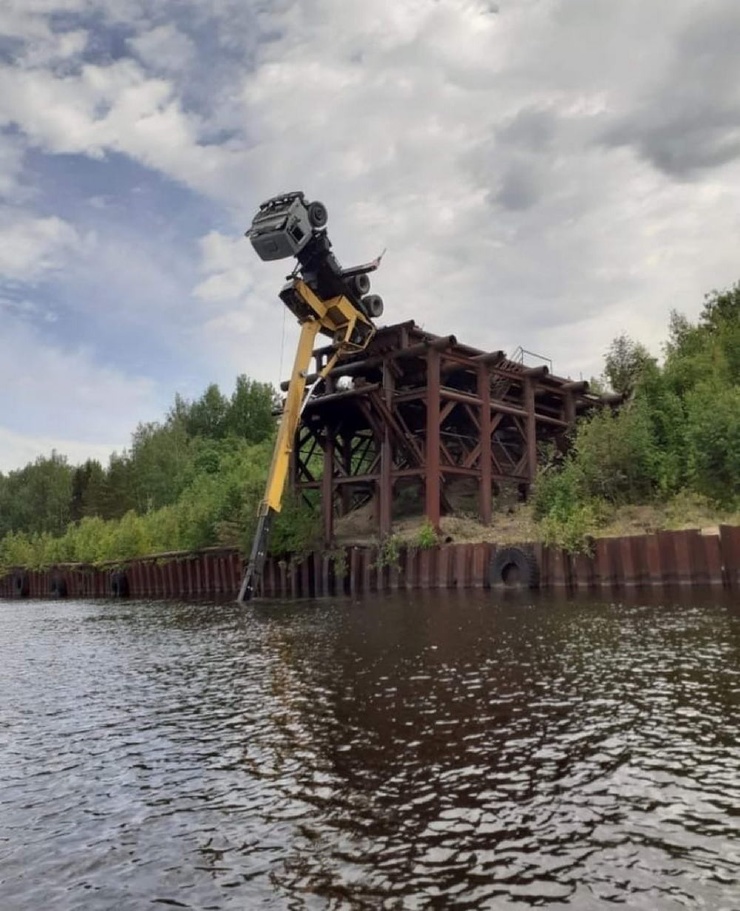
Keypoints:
pixel 40 495
pixel 88 484
pixel 119 495
pixel 249 414
pixel 206 417
pixel 713 442
pixel 625 362
pixel 159 459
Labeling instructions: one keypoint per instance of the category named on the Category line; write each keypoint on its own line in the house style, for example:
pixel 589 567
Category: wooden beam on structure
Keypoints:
pixel 484 489
pixel 433 479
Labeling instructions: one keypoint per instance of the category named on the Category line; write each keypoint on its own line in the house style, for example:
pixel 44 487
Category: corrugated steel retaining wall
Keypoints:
pixel 663 559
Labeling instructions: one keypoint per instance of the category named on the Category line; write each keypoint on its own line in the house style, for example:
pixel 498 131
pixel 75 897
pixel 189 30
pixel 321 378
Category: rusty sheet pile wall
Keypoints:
pixel 671 558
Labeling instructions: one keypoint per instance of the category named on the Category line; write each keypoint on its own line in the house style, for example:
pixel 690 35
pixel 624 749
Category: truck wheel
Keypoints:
pixel 317 214
pixel 21 585
pixel 373 305
pixel 58 588
pixel 515 567
pixel 361 284
pixel 119 585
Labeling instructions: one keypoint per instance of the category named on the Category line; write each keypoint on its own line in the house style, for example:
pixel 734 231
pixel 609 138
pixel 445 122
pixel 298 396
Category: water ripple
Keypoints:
pixel 413 753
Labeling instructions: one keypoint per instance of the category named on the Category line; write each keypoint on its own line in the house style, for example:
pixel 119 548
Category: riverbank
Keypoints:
pixel 518 523
pixel 668 558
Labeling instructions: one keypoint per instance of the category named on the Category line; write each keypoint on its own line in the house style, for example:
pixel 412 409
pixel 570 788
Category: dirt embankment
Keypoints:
pixel 516 523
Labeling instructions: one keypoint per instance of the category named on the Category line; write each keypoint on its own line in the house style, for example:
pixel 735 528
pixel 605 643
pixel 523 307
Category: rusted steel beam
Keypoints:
pixel 531 427
pixel 367 477
pixel 445 412
pixel 358 368
pixel 422 348
pixel 393 420
pixel 505 408
pixel 380 336
pixel 385 511
pixel 433 479
pixel 569 408
pixel 327 488
pixel 492 357
pixel 375 425
pixel 345 394
pixel 455 395
pixel 485 484
pixel 410 395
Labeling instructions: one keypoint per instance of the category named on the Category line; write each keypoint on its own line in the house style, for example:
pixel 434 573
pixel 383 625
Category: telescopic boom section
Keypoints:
pixel 325 299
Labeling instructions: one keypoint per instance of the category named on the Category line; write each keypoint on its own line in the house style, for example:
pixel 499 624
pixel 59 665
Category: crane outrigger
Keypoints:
pixel 324 298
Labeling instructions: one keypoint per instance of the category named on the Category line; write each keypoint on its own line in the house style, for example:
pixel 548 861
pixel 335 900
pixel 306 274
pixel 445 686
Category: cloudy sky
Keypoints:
pixel 544 173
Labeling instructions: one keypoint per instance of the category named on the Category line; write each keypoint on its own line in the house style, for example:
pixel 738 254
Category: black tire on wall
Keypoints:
pixel 515 567
pixel 21 585
pixel 119 584
pixel 58 587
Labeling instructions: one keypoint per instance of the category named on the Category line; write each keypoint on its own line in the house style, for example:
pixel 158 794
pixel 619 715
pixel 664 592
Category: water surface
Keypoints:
pixel 407 752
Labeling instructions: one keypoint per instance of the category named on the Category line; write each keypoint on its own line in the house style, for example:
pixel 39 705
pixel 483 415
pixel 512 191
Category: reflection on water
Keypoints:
pixel 413 752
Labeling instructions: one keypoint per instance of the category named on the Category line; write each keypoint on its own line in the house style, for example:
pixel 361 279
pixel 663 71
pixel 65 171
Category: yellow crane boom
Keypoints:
pixel 325 299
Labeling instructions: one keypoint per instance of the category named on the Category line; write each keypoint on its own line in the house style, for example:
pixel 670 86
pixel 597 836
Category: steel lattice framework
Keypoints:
pixel 423 409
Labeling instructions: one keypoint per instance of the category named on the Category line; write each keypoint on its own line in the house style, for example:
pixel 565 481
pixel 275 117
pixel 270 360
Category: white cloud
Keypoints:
pixel 56 397
pixel 54 48
pixel 470 145
pixel 243 328
pixel 30 247
pixel 11 163
pixel 164 48
pixel 113 108
pixel 17 449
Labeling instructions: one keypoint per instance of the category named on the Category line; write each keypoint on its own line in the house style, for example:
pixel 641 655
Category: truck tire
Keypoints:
pixel 21 585
pixel 119 584
pixel 317 214
pixel 360 284
pixel 514 567
pixel 373 304
pixel 58 587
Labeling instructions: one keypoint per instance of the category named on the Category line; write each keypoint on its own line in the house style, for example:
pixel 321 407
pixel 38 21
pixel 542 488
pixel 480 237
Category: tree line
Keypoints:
pixel 676 436
pixel 191 480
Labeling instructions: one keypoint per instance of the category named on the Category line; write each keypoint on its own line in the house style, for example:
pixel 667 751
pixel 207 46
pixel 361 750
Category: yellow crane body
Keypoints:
pixel 350 331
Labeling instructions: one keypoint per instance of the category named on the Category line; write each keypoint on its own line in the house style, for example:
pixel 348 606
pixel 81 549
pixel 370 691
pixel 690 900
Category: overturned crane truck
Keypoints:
pixel 324 298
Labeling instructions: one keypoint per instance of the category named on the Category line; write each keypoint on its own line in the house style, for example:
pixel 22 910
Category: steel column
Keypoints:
pixel 531 425
pixel 485 488
pixel 386 459
pixel 433 481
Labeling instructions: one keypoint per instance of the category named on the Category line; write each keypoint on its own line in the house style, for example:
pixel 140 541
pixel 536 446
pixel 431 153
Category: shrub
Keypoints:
pixel 427 536
pixel 389 552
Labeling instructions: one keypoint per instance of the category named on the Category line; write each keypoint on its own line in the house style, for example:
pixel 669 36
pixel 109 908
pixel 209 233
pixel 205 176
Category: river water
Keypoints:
pixel 408 752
